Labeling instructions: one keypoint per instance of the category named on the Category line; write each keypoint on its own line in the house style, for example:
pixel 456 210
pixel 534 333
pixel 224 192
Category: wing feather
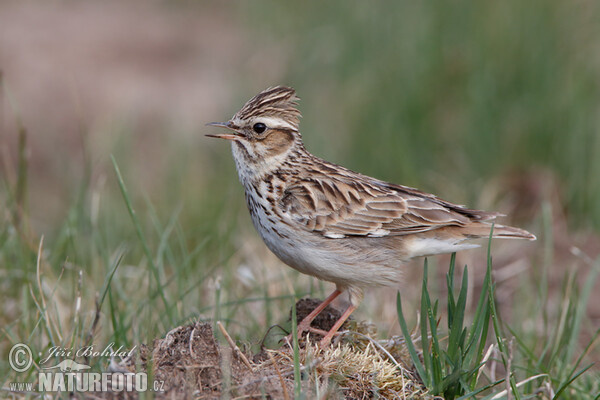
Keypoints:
pixel 337 206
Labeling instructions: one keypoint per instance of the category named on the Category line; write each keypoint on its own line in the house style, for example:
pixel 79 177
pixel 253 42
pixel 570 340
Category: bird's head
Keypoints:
pixel 265 130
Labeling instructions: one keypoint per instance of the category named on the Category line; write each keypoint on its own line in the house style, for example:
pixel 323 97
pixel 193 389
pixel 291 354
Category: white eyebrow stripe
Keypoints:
pixel 272 122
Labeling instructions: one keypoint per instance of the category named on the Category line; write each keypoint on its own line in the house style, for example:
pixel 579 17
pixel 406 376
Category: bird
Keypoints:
pixel 332 223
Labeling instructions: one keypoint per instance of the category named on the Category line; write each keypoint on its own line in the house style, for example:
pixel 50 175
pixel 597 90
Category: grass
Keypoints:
pixel 460 368
pixel 450 372
pixel 80 290
pixel 442 96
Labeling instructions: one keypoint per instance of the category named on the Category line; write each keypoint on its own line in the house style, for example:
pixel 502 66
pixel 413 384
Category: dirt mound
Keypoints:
pixel 190 363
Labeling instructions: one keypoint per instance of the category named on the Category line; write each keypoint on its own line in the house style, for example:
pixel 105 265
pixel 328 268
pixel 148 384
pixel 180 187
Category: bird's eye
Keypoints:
pixel 259 127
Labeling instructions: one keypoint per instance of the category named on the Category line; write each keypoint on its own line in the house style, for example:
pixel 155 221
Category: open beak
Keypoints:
pixel 228 125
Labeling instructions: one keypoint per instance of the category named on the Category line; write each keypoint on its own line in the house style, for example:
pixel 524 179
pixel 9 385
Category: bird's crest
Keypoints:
pixel 277 102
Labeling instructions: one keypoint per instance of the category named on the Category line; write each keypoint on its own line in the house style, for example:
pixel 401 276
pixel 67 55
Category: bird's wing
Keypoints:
pixel 337 207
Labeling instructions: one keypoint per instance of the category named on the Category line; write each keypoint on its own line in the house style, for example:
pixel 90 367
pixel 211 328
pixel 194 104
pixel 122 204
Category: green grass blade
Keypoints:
pixel 472 394
pixel 450 287
pixel 579 359
pixel 567 383
pixel 108 280
pixel 296 349
pixel 142 238
pixel 425 345
pixel 586 292
pixel 496 318
pixel 456 328
pixel 409 343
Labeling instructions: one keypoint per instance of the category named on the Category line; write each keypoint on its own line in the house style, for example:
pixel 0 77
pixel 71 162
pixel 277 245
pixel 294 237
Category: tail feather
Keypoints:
pixel 451 239
pixel 482 230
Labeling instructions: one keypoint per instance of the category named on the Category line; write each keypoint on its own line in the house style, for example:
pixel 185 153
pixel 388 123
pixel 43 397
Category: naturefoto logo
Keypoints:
pixel 68 375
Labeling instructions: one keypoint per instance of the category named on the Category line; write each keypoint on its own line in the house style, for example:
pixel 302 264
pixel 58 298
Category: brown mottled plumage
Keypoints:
pixel 330 222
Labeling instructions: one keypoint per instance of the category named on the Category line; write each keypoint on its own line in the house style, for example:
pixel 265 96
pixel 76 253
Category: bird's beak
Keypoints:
pixel 227 125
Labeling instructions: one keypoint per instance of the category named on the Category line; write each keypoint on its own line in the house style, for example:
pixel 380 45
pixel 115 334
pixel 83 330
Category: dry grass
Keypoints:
pixel 191 362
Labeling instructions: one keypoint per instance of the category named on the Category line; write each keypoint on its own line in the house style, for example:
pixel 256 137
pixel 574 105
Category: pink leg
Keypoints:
pixel 327 339
pixel 305 323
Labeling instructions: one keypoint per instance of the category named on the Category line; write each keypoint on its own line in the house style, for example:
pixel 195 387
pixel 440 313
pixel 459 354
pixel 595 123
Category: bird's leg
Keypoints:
pixel 327 339
pixel 305 323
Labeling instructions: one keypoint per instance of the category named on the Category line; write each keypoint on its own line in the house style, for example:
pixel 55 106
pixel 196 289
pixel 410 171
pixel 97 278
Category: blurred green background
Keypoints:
pixel 458 92
pixel 427 94
pixel 491 104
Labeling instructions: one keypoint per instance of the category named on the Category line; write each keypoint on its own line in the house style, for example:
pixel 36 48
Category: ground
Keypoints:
pixel 191 363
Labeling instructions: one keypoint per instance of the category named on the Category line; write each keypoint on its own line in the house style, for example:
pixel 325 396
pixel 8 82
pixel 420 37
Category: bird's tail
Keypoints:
pixel 482 230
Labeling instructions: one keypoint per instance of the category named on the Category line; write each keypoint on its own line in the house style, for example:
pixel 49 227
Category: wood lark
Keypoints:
pixel 332 223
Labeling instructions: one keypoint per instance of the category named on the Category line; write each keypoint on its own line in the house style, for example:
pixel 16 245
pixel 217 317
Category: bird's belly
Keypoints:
pixel 347 262
pixel 335 260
